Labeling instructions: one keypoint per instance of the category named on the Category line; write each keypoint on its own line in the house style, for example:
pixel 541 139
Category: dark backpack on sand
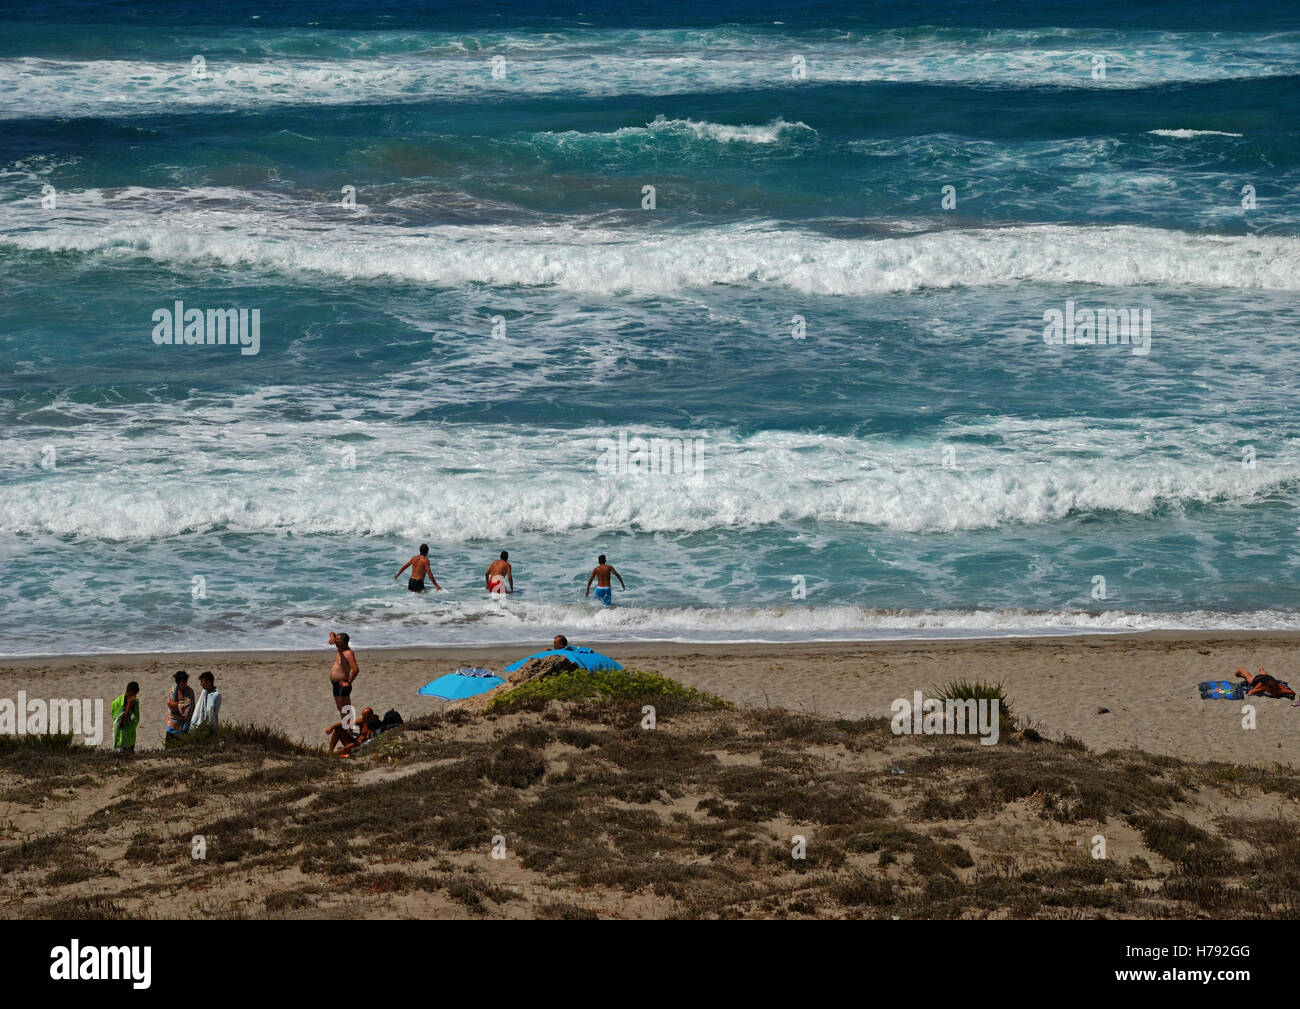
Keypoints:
pixel 391 720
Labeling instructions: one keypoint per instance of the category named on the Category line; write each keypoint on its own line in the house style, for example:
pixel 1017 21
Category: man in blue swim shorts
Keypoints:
pixel 600 575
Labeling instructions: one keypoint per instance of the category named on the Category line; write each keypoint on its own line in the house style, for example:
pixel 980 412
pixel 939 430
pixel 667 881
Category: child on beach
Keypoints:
pixel 180 707
pixel 126 716
pixel 208 709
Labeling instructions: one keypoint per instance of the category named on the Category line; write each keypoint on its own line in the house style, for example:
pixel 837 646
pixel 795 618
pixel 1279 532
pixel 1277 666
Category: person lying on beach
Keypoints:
pixel 126 716
pixel 498 573
pixel 419 565
pixel 180 706
pixel 344 670
pixel 208 709
pixel 601 573
pixel 350 738
pixel 559 641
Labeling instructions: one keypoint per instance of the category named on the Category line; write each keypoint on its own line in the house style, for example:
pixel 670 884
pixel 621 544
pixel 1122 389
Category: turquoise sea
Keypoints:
pixel 440 214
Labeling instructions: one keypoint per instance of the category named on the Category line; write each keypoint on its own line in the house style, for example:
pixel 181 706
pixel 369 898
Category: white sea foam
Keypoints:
pixel 528 624
pixel 612 63
pixel 458 483
pixel 722 133
pixel 1187 134
pixel 277 236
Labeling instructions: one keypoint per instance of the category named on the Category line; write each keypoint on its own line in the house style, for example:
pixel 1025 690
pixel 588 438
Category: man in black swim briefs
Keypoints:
pixel 419 565
pixel 344 670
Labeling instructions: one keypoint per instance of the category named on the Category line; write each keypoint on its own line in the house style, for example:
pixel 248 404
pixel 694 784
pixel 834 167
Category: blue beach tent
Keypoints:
pixel 462 683
pixel 583 657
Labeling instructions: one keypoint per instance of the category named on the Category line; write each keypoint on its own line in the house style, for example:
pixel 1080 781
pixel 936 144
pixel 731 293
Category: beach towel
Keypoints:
pixel 180 705
pixel 124 726
pixel 1221 690
pixel 207 711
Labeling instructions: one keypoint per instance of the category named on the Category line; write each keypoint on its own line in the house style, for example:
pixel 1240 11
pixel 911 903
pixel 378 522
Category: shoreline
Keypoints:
pixel 667 646
pixel 672 645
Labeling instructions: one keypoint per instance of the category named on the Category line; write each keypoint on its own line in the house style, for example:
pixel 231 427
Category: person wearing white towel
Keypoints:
pixel 208 709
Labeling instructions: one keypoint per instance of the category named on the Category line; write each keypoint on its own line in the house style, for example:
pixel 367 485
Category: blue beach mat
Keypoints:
pixel 1221 690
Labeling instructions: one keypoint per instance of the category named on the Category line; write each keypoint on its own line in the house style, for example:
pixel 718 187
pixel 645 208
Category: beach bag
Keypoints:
pixel 390 720
pixel 1221 690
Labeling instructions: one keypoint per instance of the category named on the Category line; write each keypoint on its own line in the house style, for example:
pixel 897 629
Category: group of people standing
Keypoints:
pixel 184 711
pixel 500 579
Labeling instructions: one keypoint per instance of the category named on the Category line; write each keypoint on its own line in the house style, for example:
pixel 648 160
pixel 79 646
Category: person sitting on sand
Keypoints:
pixel 208 709
pixel 601 573
pixel 180 707
pixel 126 716
pixel 419 565
pixel 341 734
pixel 498 573
pixel 344 670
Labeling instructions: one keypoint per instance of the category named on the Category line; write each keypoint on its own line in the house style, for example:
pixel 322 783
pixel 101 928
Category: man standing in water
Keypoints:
pixel 601 573
pixel 344 670
pixel 419 565
pixel 498 573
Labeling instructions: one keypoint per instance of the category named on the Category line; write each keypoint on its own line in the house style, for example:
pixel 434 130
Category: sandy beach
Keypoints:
pixel 1147 683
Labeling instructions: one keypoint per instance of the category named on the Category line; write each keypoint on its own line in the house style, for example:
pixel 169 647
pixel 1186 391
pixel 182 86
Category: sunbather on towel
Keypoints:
pixel 1264 684
pixel 366 729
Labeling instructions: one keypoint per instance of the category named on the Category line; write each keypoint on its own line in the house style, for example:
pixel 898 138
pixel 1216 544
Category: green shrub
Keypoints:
pixel 965 690
pixel 605 684
pixel 37 741
pixel 235 735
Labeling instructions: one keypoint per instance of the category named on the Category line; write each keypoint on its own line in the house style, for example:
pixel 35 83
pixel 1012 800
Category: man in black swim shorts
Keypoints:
pixel 419 565
pixel 344 670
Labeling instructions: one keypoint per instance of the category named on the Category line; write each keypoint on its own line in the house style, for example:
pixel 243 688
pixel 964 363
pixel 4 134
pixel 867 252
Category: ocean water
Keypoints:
pixel 872 436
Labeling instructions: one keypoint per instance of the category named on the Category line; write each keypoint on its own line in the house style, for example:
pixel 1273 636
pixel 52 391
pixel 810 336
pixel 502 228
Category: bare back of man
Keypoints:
pixel 499 575
pixel 420 570
pixel 601 575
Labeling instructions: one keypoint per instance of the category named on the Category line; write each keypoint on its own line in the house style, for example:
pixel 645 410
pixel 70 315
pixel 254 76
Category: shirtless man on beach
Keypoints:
pixel 343 672
pixel 498 573
pixel 420 570
pixel 601 573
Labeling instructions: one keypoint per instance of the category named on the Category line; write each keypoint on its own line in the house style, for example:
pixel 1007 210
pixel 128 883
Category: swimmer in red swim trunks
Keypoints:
pixel 499 573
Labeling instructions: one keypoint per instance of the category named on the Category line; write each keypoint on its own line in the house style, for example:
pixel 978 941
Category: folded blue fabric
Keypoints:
pixel 1221 690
